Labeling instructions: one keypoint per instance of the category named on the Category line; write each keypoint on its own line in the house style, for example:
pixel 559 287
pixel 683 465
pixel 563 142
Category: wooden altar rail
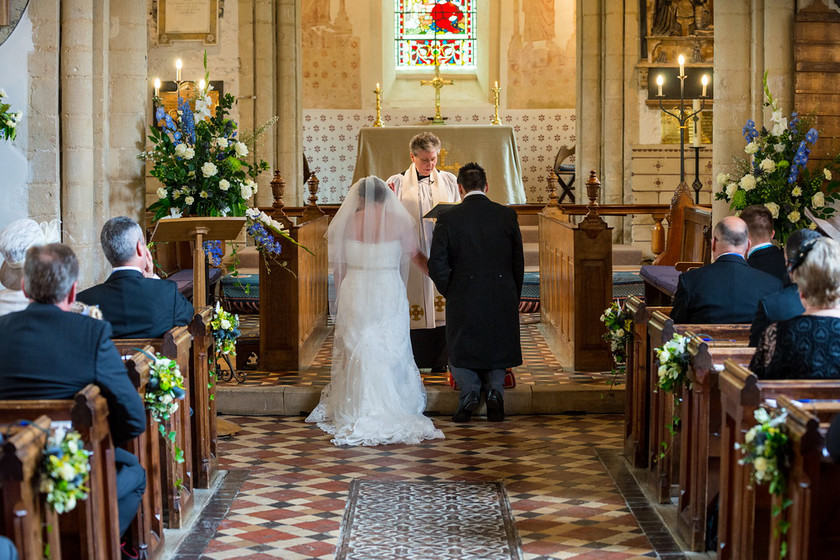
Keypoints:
pixel 177 478
pixel 663 460
pixel 91 531
pixel 25 514
pixel 744 521
pixel 813 484
pixel 146 530
pixel 637 389
pixel 294 303
pixel 700 416
pixel 576 284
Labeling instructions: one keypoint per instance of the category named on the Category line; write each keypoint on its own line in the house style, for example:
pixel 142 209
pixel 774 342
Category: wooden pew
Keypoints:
pixel 663 465
pixel 813 484
pixel 636 392
pixel 146 531
pixel 699 474
pixel 177 480
pixel 744 519
pixel 91 531
pixel 25 514
pixel 202 396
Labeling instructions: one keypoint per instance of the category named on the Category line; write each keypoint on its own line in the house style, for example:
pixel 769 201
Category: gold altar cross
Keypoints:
pixel 437 82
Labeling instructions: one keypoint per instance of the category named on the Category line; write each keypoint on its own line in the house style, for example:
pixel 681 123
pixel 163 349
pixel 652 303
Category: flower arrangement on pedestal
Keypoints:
pixel 766 448
pixel 8 119
pixel 775 174
pixel 204 166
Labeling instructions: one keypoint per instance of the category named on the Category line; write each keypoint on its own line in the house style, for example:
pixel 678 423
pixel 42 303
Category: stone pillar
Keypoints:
pixel 612 117
pixel 78 156
pixel 589 109
pixel 130 105
pixel 288 133
pixel 42 122
pixel 733 87
pixel 778 51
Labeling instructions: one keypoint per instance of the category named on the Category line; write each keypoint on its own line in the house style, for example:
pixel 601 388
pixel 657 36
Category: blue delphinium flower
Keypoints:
pixel 793 124
pixel 749 130
pixel 159 113
pixel 812 135
pixel 213 250
pixel 187 120
pixel 264 240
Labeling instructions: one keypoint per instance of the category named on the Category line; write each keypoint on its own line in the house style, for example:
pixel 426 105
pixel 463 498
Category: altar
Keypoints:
pixel 383 151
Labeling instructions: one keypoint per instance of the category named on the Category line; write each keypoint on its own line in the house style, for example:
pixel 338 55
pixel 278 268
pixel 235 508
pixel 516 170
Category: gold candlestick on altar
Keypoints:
pixel 496 89
pixel 437 82
pixel 378 92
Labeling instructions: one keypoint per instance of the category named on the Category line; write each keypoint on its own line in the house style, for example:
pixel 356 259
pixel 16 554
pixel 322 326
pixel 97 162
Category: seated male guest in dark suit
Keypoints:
pixel 477 263
pixel 137 304
pixel 51 353
pixel 763 255
pixel 786 304
pixel 728 289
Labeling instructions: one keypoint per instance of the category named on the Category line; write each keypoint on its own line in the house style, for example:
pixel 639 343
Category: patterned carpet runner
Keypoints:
pixel 396 520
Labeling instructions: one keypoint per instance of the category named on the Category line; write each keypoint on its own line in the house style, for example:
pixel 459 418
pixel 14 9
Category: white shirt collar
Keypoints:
pixel 119 268
pixel 477 191
pixel 759 246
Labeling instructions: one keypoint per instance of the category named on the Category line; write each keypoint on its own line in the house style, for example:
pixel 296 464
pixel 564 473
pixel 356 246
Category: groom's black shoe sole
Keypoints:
pixel 495 406
pixel 466 407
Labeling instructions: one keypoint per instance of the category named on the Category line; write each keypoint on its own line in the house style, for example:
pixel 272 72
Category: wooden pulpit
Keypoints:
pixel 198 230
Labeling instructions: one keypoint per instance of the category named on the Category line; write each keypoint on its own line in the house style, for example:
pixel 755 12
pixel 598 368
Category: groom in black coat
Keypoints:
pixel 477 264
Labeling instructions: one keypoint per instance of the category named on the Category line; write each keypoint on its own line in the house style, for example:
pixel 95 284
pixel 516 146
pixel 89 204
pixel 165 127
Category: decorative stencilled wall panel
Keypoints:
pixel 330 142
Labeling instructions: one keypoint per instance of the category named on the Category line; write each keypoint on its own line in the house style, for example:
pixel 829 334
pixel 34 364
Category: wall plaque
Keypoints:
pixel 188 20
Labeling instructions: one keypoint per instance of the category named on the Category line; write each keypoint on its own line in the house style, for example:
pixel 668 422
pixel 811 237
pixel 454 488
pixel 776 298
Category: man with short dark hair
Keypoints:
pixel 137 304
pixel 50 353
pixel 763 255
pixel 785 304
pixel 477 263
pixel 728 289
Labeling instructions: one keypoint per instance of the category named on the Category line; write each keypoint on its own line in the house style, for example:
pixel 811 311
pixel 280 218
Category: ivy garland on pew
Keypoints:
pixel 163 391
pixel 66 469
pixel 673 365
pixel 619 333
pixel 767 449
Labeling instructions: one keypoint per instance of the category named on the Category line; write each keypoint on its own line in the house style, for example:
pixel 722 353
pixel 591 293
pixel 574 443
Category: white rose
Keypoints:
pixel 751 148
pixel 767 165
pixel 222 142
pixel 760 464
pixel 246 191
pixel 224 185
pixel 730 189
pixel 793 217
pixel 779 148
pixel 773 207
pixel 73 446
pixel 166 399
pixel 662 372
pixel 203 194
pixel 827 174
pixel 818 200
pixel 161 193
pixel 71 503
pixel 189 200
pixel 225 324
pixel 722 179
pixel 190 153
pixel 209 169
pixel 747 182
pixel 66 472
pixel 180 150
pixel 619 333
pixel 241 149
pixel 252 185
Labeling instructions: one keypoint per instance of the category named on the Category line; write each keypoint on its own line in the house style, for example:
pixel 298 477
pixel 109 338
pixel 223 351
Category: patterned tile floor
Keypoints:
pixel 294 490
pixel 540 366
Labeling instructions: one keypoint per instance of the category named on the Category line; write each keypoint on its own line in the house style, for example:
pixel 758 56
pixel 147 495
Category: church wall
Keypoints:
pixel 28 72
pixel 528 46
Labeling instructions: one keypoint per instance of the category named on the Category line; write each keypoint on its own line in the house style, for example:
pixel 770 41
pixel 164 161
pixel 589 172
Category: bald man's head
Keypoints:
pixel 730 236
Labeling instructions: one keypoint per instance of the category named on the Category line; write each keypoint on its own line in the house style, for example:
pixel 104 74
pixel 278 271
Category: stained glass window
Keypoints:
pixel 426 30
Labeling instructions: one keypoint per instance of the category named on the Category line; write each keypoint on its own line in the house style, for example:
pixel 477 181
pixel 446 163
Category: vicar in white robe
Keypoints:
pixel 420 189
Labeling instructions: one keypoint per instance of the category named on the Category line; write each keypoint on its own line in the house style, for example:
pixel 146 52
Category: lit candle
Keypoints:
pixel 157 87
pixel 496 86
pixel 178 66
pixel 659 81
pixel 681 61
pixel 705 81
pixel 377 86
pixel 695 107
pixel 201 85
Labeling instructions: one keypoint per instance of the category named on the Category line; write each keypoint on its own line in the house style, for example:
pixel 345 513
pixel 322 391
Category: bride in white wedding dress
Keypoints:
pixel 375 395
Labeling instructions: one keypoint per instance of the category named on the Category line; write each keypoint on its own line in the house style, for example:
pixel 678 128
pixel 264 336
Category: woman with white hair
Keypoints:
pixel 807 346
pixel 15 239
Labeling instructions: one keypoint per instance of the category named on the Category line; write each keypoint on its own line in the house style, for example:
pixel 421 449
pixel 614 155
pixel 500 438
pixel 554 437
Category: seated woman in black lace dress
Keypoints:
pixel 807 346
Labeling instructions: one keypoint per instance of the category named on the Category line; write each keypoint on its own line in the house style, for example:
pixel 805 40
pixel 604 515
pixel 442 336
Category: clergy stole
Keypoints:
pixel 426 307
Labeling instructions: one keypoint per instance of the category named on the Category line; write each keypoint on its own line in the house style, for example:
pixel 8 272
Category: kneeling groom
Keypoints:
pixel 477 264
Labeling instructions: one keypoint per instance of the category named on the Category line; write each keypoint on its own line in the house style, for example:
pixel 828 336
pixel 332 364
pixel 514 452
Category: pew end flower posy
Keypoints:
pixel 204 165
pixel 774 173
